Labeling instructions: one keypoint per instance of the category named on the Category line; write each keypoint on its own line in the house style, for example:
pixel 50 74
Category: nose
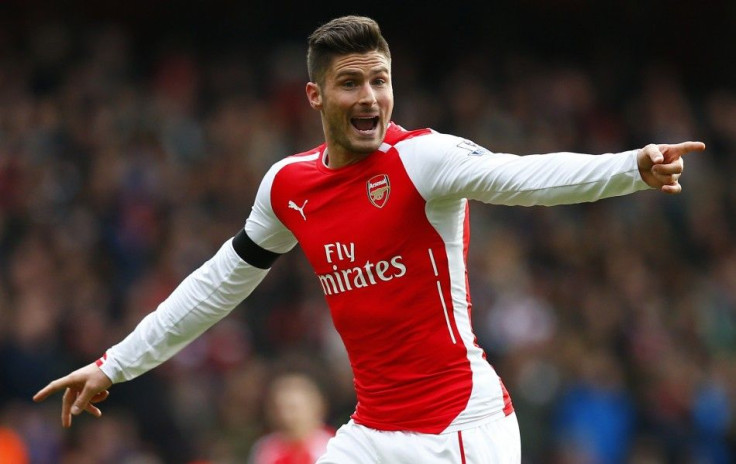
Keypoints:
pixel 367 95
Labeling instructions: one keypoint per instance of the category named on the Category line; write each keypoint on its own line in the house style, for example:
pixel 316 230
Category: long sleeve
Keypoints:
pixel 203 298
pixel 445 166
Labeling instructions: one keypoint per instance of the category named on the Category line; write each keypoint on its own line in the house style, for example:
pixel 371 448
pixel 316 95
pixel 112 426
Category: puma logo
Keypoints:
pixel 293 206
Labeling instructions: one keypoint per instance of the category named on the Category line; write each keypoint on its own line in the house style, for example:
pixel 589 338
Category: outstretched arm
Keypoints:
pixel 661 165
pixel 443 166
pixel 203 298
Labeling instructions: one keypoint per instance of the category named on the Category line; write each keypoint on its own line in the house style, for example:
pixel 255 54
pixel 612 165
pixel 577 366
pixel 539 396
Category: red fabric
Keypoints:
pixel 276 449
pixel 369 260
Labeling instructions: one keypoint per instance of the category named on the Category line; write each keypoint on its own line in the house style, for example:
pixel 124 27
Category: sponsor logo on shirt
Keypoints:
pixel 378 188
pixel 346 275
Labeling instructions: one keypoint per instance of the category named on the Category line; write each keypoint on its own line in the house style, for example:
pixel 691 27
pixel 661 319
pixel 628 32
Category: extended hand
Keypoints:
pixel 84 387
pixel 661 165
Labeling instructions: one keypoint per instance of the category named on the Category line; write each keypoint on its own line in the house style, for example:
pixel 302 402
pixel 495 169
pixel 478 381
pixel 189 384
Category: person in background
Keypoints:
pixel 295 409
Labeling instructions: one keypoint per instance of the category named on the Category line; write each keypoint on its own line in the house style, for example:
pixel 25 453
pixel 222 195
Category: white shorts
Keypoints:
pixel 495 442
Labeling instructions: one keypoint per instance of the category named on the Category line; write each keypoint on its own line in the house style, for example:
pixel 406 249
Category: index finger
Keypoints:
pixel 52 387
pixel 679 149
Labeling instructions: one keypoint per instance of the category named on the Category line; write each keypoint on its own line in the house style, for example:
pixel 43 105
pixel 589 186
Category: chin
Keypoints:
pixel 366 147
pixel 369 145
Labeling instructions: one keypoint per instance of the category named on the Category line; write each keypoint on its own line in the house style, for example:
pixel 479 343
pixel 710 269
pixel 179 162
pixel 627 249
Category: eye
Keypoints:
pixel 348 84
pixel 381 81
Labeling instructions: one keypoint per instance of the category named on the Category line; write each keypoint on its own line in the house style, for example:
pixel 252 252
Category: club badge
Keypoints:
pixel 378 188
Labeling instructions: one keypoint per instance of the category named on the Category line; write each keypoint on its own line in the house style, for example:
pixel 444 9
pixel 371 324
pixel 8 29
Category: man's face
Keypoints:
pixel 356 101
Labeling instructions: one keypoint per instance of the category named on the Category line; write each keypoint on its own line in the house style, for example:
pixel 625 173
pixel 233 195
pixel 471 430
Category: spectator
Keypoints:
pixel 296 410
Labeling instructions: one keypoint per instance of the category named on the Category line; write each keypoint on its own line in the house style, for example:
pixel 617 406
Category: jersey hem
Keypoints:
pixel 473 423
pixel 469 424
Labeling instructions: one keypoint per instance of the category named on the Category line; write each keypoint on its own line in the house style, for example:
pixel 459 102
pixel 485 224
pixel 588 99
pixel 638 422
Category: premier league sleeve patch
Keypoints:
pixel 473 148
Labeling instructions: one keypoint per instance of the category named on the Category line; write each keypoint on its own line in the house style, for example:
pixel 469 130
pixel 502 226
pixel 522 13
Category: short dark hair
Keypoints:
pixel 342 36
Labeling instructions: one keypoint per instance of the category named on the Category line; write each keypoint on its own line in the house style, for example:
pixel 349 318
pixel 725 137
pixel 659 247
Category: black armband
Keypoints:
pixel 250 252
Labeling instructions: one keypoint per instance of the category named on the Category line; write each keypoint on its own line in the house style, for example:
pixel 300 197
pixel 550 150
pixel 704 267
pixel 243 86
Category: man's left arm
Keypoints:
pixel 445 166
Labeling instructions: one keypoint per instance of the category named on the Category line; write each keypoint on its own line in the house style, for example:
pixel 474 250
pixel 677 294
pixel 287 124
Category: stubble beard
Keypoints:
pixel 345 140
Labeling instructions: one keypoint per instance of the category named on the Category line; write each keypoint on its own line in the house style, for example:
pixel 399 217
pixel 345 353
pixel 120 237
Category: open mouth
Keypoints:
pixel 365 124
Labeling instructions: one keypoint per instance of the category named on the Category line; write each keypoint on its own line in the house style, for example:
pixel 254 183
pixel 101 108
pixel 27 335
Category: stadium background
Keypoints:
pixel 132 139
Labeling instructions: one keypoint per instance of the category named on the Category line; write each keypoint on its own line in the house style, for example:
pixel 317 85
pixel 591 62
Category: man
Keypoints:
pixel 381 214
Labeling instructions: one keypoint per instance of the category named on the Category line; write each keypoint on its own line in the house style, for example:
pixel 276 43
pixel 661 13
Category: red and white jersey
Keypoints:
pixel 388 240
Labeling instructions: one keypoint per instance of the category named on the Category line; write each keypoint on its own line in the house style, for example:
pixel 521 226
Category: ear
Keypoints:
pixel 314 95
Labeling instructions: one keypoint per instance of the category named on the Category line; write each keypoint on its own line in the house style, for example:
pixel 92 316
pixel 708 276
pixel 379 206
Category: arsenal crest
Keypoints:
pixel 378 188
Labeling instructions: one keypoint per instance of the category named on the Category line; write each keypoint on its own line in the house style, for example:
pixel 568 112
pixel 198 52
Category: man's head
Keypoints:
pixel 295 406
pixel 350 72
pixel 342 36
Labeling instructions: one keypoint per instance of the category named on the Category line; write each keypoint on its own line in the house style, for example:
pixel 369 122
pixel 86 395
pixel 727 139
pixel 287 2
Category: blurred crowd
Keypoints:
pixel 613 324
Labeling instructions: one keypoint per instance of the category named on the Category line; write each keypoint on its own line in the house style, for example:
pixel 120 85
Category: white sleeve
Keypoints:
pixel 203 298
pixel 443 166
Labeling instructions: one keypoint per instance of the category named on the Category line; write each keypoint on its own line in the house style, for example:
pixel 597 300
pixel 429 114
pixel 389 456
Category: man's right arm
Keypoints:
pixel 203 298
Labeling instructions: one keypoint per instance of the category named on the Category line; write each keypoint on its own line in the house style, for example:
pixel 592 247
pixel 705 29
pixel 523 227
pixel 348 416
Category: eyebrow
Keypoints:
pixel 352 72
